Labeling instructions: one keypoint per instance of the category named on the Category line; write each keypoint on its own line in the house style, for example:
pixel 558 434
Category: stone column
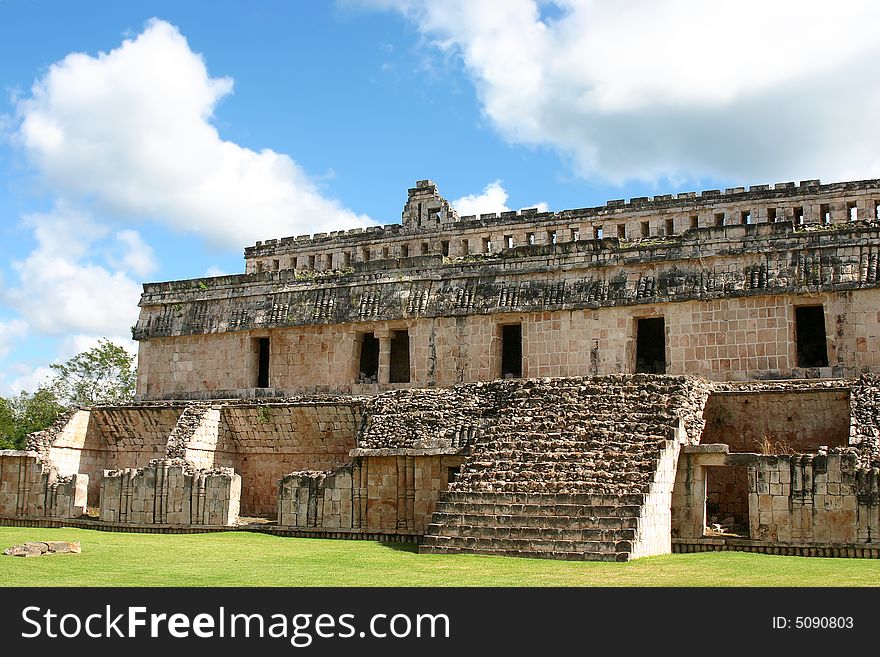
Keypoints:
pixel 384 338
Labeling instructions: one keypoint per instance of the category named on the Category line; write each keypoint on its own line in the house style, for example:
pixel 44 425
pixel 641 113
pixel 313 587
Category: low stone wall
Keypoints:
pixel 170 492
pixel 30 486
pixel 377 493
pixel 316 499
pixel 792 499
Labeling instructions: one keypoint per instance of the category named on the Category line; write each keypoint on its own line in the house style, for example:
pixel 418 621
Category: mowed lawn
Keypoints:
pixel 248 559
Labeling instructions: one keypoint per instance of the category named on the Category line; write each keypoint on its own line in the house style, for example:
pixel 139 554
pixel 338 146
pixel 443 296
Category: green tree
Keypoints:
pixel 26 413
pixel 104 374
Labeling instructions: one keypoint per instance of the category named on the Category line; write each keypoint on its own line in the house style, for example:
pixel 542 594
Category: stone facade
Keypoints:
pixel 587 384
pixel 729 292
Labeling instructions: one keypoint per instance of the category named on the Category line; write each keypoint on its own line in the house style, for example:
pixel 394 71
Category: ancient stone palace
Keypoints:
pixel 679 373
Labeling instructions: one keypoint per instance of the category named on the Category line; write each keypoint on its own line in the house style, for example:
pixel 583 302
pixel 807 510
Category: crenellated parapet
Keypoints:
pixel 431 227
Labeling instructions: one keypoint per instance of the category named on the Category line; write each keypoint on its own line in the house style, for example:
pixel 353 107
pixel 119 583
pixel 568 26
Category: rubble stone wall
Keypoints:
pixel 31 487
pixel 170 492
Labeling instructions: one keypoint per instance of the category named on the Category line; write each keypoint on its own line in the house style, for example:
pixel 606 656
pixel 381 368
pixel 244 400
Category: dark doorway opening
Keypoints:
pixel 511 351
pixel 369 360
pixel 651 346
pixel 263 362
pixel 727 500
pixel 400 357
pixel 812 349
pixel 452 474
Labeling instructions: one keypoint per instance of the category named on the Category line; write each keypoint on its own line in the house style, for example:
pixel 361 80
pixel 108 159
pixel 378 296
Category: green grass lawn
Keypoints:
pixel 246 559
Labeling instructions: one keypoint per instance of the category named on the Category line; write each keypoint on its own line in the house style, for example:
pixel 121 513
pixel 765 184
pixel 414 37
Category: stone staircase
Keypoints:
pixel 572 469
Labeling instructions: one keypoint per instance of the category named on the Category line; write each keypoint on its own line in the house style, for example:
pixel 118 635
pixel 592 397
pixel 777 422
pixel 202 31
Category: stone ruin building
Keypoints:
pixel 679 373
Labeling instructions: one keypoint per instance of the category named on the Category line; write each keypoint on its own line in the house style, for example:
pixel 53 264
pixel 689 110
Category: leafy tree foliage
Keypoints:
pixel 104 374
pixel 26 413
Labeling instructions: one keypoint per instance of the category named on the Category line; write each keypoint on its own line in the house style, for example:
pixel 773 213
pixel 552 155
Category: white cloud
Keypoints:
pixel 674 89
pixel 137 256
pixel 9 332
pixel 62 290
pixel 29 378
pixel 214 270
pixel 76 344
pixel 130 130
pixel 492 199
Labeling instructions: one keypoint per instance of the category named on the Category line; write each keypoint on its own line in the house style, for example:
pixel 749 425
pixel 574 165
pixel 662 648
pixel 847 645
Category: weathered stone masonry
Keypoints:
pixel 728 296
pixel 602 383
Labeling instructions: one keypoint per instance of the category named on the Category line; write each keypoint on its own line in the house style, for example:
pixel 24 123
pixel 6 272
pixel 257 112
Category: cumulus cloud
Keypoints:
pixel 29 378
pixel 9 332
pixel 674 89
pixel 130 131
pixel 133 253
pixel 62 289
pixel 492 199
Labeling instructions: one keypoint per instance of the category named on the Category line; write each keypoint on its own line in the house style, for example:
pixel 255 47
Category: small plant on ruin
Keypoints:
pixel 770 447
pixel 263 416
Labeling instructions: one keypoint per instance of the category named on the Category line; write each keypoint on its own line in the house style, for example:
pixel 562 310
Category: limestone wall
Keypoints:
pixel 431 226
pixel 316 499
pixel 170 492
pixel 266 442
pixel 112 437
pixel 802 420
pixel 813 499
pixel 655 519
pixel 375 494
pixel 733 338
pixel 798 499
pixel 31 487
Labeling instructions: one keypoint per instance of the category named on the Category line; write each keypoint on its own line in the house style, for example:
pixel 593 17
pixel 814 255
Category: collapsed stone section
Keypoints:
pixel 572 468
pixel 170 492
pixel 31 486
pixel 865 416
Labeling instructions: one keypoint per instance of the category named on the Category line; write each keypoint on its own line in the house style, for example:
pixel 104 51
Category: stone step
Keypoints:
pixel 600 470
pixel 453 530
pixel 602 522
pixel 537 546
pixel 625 484
pixel 566 503
pixel 527 554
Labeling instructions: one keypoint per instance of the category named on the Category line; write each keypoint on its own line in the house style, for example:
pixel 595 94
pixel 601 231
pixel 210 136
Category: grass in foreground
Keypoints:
pixel 245 559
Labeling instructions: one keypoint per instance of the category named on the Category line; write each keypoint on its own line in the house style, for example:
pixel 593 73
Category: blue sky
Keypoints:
pixel 144 141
